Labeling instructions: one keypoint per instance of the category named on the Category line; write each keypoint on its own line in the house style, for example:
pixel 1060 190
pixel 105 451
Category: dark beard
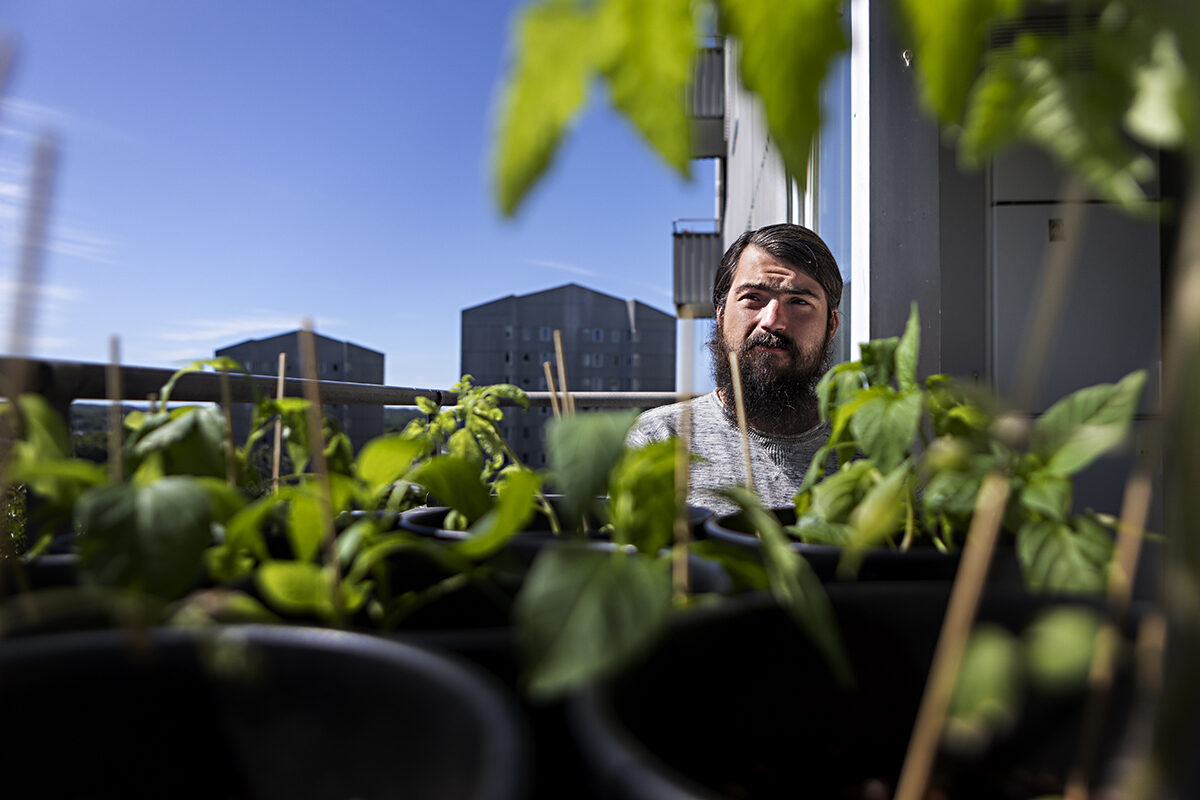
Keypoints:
pixel 777 398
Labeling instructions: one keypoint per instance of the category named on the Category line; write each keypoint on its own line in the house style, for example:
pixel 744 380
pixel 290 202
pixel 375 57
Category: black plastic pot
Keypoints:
pixel 735 702
pixel 254 712
pixel 923 563
pixel 430 521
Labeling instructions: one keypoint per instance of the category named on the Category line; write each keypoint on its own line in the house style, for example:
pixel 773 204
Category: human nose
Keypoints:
pixel 770 318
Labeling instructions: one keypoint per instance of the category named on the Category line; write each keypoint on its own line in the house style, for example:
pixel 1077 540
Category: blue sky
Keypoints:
pixel 228 168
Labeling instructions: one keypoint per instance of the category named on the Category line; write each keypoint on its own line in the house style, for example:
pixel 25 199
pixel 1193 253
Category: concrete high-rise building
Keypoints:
pixel 609 344
pixel 336 361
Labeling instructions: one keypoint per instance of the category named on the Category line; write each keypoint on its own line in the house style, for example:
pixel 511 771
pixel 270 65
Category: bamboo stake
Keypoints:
pixel 550 386
pixel 29 270
pixel 952 642
pixel 275 456
pixel 116 469
pixel 1135 508
pixel 740 405
pixel 316 446
pixel 227 413
pixel 683 454
pixel 568 403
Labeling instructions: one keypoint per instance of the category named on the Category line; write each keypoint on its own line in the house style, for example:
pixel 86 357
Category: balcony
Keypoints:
pixel 697 254
pixel 706 104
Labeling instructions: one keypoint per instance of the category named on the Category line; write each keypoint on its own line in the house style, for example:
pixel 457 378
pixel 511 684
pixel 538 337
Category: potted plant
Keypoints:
pixel 911 456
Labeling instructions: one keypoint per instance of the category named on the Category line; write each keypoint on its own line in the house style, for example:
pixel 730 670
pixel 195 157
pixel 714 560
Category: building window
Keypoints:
pixel 635 385
pixel 524 334
pixel 587 359
pixel 544 334
pixel 507 358
pixel 615 336
pixel 508 331
pixel 635 335
pixel 614 385
pixel 635 360
pixel 525 356
pixel 598 335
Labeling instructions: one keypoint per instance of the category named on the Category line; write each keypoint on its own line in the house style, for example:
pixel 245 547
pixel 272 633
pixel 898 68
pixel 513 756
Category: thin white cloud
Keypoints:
pixel 253 325
pixel 574 270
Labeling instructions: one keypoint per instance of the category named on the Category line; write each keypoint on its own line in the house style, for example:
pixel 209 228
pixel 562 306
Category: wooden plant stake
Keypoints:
pixel 550 386
pixel 568 402
pixel 275 455
pixel 316 447
pixel 1135 507
pixel 227 412
pixel 740 405
pixel 952 642
pixel 116 470
pixel 683 455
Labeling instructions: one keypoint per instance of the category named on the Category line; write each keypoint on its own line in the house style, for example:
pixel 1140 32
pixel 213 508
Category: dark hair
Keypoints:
pixel 796 246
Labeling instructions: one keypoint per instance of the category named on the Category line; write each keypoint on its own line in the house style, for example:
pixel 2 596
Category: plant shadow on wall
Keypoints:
pixel 1137 90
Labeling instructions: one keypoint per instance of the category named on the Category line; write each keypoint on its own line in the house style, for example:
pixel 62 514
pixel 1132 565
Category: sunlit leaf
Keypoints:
pixel 647 61
pixel 785 52
pixel 907 350
pixel 555 60
pixel 295 587
pixel 306 525
pixel 641 496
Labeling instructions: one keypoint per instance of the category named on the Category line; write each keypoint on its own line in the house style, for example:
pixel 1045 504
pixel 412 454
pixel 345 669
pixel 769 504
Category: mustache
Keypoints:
pixel 770 339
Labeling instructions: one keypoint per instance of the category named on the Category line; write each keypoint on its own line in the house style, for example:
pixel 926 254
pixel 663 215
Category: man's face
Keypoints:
pixel 776 319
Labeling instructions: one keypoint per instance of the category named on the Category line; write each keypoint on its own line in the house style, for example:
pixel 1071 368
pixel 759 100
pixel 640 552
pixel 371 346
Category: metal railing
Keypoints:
pixel 63 382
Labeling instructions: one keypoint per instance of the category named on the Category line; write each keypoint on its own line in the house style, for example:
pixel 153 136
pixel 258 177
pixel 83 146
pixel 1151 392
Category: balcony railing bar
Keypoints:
pixel 62 382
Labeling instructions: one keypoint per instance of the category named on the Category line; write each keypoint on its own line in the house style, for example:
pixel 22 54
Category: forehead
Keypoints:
pixel 758 267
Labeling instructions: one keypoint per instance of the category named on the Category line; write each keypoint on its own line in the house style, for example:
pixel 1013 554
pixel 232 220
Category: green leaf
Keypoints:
pixel 1084 425
pixel 1059 645
pixel 642 497
pixel 512 512
pixel 384 460
pixel 786 51
pixel 462 445
pixel 794 584
pixel 882 509
pixel 192 441
pixel 879 361
pixel 949 39
pixel 148 538
pixel 582 450
pixel 647 63
pixel 295 587
pixel 907 350
pixel 306 525
pixel 836 496
pixel 744 568
pixel 987 692
pixel 555 60
pixel 1160 113
pixel 1047 494
pixel 886 425
pixel 583 613
pixel 43 429
pixel 1056 557
pixel 455 483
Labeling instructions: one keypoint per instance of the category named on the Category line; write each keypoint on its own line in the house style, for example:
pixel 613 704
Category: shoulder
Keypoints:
pixel 663 422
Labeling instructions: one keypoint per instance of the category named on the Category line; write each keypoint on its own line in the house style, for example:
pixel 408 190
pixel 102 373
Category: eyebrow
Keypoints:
pixel 786 290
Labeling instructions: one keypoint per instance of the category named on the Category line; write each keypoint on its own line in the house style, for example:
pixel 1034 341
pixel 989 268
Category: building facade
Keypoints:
pixel 609 345
pixel 336 361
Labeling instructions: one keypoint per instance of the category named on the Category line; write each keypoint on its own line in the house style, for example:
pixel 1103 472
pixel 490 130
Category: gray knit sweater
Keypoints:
pixel 778 461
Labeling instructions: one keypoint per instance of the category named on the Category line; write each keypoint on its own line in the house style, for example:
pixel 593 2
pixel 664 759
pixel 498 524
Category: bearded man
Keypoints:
pixel 776 293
